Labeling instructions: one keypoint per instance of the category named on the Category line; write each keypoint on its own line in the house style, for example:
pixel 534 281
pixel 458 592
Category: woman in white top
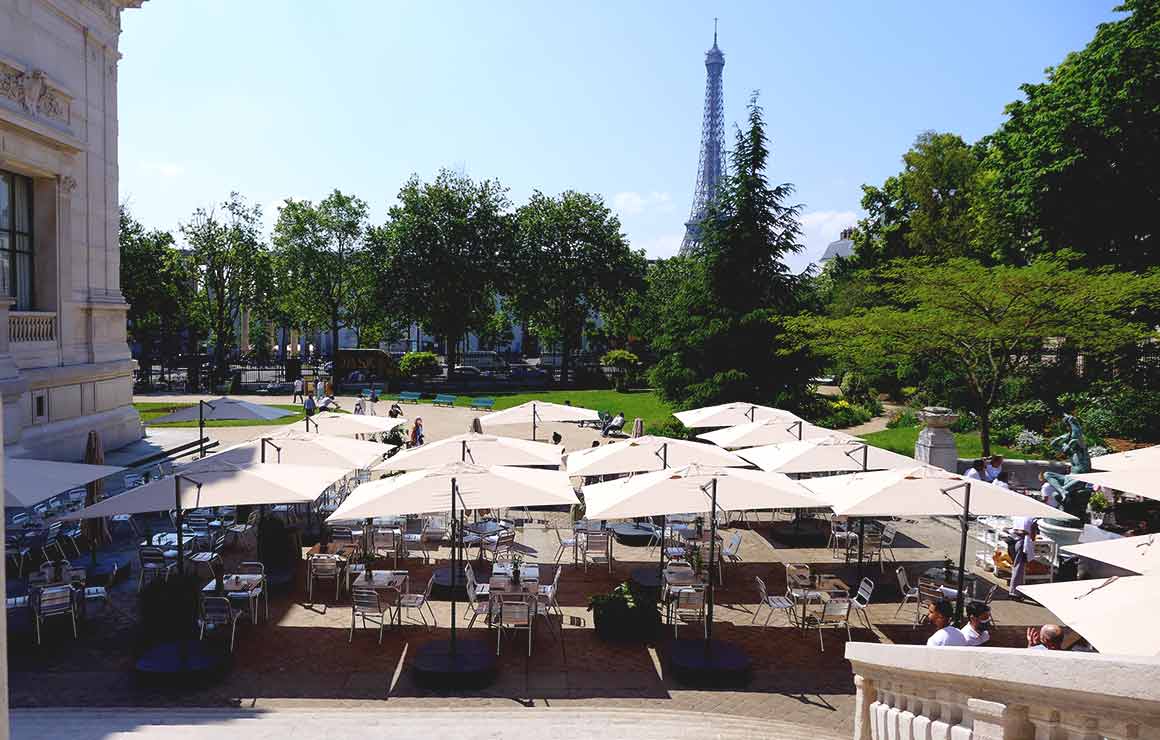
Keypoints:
pixel 977 629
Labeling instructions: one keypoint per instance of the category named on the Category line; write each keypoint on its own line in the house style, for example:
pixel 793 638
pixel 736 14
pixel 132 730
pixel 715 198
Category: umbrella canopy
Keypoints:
pixel 1145 457
pixel 345 425
pixel 768 432
pixel 832 453
pixel 1139 554
pixel 679 490
pixel 1138 481
pixel 221 483
pixel 480 449
pixel 732 414
pixel 1103 610
pixel 224 408
pixel 918 491
pixel 297 447
pixel 641 454
pixel 29 482
pixel 543 411
pixel 480 487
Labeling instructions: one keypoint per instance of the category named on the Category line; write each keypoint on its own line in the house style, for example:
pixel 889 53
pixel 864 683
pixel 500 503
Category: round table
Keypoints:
pixel 633 534
pixel 489 527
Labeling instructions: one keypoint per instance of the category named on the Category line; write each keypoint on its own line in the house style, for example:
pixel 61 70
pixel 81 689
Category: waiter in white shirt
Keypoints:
pixel 1027 528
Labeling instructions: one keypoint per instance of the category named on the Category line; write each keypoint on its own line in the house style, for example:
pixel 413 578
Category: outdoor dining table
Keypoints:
pixel 379 579
pixel 940 576
pixel 819 589
pixel 529 572
pixel 168 540
pixel 238 583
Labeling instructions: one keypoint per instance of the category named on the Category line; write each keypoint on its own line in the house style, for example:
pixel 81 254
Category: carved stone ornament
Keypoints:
pixel 33 92
pixel 68 184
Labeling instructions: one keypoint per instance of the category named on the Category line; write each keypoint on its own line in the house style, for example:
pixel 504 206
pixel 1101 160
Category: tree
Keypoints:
pixel 572 261
pixel 497 331
pixel 318 249
pixel 156 280
pixel 720 324
pixel 443 245
pixel 1075 164
pixel 231 260
pixel 991 323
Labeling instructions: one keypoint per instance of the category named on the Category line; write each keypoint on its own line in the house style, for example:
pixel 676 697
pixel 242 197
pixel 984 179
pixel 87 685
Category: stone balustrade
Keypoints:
pixel 31 326
pixel 909 692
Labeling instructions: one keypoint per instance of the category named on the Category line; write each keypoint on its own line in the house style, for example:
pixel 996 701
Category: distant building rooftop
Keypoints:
pixel 843 247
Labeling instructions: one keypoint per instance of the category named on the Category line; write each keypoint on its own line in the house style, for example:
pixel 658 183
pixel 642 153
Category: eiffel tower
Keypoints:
pixel 711 166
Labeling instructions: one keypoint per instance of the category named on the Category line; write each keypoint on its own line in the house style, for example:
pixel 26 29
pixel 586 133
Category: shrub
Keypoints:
pixel 1006 435
pixel 844 414
pixel 967 422
pixel 1028 441
pixel 419 364
pixel 1098 502
pixel 902 418
pixel 625 364
pixel 1114 409
pixel 856 388
pixel 668 428
pixel 1033 415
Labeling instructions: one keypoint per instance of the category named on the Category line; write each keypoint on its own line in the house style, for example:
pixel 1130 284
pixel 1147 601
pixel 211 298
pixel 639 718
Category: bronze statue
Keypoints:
pixel 1072 494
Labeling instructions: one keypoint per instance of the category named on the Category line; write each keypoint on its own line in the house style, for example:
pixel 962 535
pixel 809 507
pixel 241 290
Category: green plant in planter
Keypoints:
pixel 1098 502
pixel 168 609
pixel 697 560
pixel 624 613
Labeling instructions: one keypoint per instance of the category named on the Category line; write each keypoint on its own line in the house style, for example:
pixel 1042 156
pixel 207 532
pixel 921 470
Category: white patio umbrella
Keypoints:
pixel 1140 554
pixel 346 425
pixel 1103 610
pixel 480 449
pixel 1136 480
pixel 925 490
pixel 642 454
pixel 768 432
pixel 538 412
pixel 1145 457
pixel 297 447
pixel 222 409
pixel 219 483
pixel 694 488
pixel 834 452
pixel 28 482
pixel 732 414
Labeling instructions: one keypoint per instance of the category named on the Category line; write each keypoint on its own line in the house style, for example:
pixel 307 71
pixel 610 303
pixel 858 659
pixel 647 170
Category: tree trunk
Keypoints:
pixel 452 353
pixel 333 337
pixel 985 430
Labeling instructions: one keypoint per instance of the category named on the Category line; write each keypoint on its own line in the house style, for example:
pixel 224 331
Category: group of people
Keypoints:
pixel 989 470
pixel 977 629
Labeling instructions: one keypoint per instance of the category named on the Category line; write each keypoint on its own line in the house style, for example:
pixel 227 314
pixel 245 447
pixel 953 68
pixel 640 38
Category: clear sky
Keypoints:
pixel 293 98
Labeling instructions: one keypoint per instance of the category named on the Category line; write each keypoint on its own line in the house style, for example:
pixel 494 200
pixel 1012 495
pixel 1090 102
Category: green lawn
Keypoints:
pixel 645 404
pixel 151 410
pixel 902 439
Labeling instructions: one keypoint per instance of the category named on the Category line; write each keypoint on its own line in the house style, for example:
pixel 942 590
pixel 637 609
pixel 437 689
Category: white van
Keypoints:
pixel 490 361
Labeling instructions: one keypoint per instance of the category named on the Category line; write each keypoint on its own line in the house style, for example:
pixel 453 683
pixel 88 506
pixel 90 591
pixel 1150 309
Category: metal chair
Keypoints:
pixel 835 614
pixel 928 592
pixel 255 594
pixel 386 544
pixel 416 602
pixel 153 565
pixel 840 534
pixel 908 592
pixel 211 556
pixel 772 603
pixel 499 545
pixel 731 553
pixel 688 606
pixel 476 606
pixel 323 568
pixel 862 600
pixel 516 612
pixel 566 543
pixel 52 602
pixel 889 532
pixel 101 593
pixel 547 595
pixel 367 604
pixel 218 611
pixel 597 546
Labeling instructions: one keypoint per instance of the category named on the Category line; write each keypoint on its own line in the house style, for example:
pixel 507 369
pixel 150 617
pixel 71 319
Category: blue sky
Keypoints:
pixel 290 98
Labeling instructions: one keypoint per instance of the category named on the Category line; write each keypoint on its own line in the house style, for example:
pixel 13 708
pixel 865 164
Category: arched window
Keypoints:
pixel 16 239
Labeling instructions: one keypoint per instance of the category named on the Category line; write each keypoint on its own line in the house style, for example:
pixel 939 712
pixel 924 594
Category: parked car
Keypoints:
pixel 467 371
pixel 527 373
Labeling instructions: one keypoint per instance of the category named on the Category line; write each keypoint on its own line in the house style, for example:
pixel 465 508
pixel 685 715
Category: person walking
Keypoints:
pixel 417 433
pixel 298 391
pixel 309 406
pixel 1025 530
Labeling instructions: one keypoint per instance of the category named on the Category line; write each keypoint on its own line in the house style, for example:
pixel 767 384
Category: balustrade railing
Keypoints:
pixel 31 326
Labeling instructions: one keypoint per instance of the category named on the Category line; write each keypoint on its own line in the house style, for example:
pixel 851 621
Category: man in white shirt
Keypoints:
pixel 977 629
pixel 297 390
pixel 940 613
pixel 975 472
pixel 1027 529
pixel 993 468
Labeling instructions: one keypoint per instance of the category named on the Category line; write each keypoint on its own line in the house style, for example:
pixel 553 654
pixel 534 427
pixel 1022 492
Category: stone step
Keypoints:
pixel 430 724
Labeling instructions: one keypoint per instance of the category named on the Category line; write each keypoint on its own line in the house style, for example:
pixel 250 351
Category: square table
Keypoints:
pixel 938 575
pixel 818 589
pixel 246 584
pixel 380 579
pixel 528 572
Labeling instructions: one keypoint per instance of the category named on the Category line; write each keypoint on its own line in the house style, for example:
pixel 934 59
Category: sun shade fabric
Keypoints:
pixel 1107 612
pixel 1140 554
pixel 298 447
pixel 345 425
pixel 679 491
pixel 222 484
pixel 918 491
pixel 225 409
pixel 732 414
pixel 831 453
pixel 480 487
pixel 481 449
pixel 767 432
pixel 1145 457
pixel 643 454
pixel 28 482
pixel 1138 481
pixel 544 411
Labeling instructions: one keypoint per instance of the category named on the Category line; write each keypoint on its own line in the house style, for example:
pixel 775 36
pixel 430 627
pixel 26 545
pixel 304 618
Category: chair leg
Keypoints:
pixel 755 613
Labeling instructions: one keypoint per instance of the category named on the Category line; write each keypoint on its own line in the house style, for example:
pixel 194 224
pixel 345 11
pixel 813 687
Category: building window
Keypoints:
pixel 16 239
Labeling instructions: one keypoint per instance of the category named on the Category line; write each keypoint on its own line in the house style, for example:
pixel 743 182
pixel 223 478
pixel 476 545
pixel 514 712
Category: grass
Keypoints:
pixel 902 439
pixel 153 410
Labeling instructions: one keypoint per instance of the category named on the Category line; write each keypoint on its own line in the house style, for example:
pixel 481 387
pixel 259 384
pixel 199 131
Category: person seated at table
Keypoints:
pixel 1047 637
pixel 947 635
pixel 1047 490
pixel 975 472
pixel 993 468
pixel 615 424
pixel 1003 480
pixel 556 438
pixel 977 630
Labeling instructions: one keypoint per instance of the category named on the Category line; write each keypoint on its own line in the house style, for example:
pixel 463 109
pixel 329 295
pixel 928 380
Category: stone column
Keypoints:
pixel 866 695
pixel 992 720
pixel 936 444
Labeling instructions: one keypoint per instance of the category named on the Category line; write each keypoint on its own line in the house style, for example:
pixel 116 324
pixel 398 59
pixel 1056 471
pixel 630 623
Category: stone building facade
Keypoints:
pixel 65 366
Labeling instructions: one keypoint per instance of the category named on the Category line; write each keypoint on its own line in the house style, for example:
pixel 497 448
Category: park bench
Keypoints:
pixel 410 396
pixel 444 399
pixel 487 404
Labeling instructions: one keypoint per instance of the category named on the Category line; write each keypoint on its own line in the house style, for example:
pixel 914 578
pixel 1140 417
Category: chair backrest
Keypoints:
pixel 516 610
pixel 430 585
pixel 365 600
pixel 928 590
pixel 797 574
pixel 865 590
pixel 76 576
pixel 341 534
pixel 48 570
pixel 385 539
pixel 499 583
pixel 690 599
pixel 991 595
pixel 888 534
pixel 762 592
pixel 734 545
pixel 216 609
pixel 324 567
pixel 53 530
pixel 506 539
pixel 836 610
pixel 597 540
pixel 197 523
pixel 252 567
pixel 55 600
pixel 903 581
pixel 36 578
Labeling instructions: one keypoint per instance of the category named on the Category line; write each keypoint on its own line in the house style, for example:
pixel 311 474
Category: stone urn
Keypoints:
pixel 936 443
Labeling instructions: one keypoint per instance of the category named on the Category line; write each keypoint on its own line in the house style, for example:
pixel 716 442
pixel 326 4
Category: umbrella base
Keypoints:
pixel 717 664
pixel 445 584
pixel 473 665
pixel 188 662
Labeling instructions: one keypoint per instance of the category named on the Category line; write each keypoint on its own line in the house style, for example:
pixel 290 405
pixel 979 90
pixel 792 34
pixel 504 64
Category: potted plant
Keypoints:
pixel 624 613
pixel 1098 506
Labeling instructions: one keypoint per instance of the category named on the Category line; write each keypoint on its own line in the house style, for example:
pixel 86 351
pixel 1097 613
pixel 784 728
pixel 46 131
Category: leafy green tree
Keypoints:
pixel 497 332
pixel 991 323
pixel 442 249
pixel 1074 166
pixel 572 262
pixel 719 324
pixel 231 260
pixel 317 250
pixel 419 364
pixel 156 279
pixel 625 364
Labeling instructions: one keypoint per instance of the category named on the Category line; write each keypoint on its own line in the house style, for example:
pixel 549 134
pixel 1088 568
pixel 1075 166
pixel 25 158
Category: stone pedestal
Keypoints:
pixel 936 444
pixel 1062 535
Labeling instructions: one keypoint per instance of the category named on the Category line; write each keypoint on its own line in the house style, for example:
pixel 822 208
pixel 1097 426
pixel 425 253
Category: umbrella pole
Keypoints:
pixel 179 520
pixel 861 540
pixel 963 551
pixel 533 422
pixel 201 428
pixel 712 556
pixel 455 535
